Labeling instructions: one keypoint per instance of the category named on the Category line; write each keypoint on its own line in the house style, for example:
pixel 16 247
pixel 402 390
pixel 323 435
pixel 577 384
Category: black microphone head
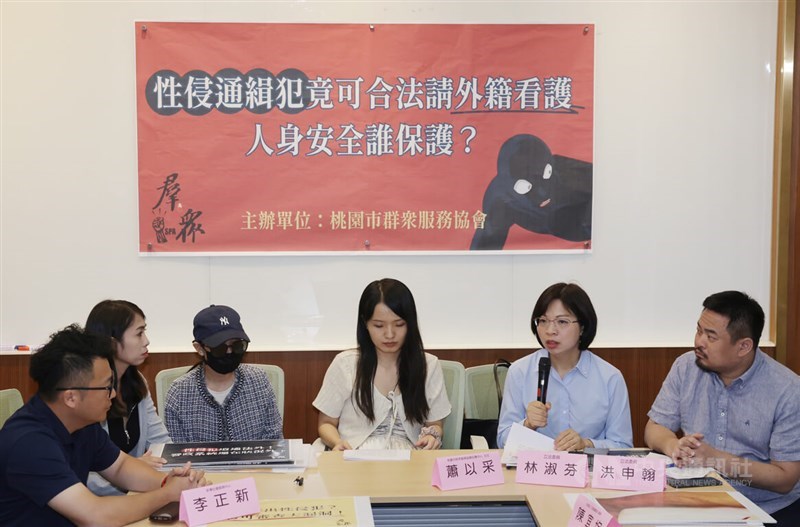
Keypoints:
pixel 544 362
pixel 544 376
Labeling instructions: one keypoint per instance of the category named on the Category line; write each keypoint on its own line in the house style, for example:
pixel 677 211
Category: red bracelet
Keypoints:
pixel 164 481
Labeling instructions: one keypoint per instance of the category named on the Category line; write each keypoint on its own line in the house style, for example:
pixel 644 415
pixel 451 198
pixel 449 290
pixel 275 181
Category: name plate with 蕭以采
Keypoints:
pixel 470 470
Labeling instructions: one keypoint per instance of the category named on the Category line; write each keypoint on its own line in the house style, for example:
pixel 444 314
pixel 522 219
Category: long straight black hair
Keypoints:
pixel 411 363
pixel 111 318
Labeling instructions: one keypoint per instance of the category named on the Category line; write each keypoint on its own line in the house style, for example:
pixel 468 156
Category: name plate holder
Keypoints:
pixel 553 468
pixel 629 473
pixel 219 502
pixel 587 513
pixel 470 470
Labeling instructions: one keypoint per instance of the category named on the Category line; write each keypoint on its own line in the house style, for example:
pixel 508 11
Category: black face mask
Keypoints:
pixel 225 364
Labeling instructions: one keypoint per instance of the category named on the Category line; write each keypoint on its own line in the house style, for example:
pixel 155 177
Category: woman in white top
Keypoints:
pixel 373 396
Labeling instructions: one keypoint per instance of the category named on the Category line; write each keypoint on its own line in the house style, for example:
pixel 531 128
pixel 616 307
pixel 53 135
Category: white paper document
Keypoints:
pixel 520 439
pixel 377 455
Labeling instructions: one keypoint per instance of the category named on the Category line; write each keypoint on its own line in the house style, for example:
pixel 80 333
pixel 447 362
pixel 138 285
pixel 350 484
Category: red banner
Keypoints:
pixel 318 137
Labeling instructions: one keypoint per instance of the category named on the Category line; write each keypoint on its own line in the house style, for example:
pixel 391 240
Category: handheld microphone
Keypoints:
pixel 544 378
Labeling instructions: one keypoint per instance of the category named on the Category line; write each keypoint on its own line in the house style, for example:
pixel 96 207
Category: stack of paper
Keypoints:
pixel 521 439
pixel 377 455
pixel 232 455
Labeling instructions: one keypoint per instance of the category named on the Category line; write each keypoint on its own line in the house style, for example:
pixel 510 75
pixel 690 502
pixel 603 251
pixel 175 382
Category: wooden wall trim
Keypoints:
pixel 644 370
pixel 793 281
pixel 785 276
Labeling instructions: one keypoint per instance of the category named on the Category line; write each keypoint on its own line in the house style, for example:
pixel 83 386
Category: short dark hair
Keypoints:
pixel 576 300
pixel 745 316
pixel 68 359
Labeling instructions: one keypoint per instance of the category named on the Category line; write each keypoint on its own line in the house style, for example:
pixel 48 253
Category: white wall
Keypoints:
pixel 684 95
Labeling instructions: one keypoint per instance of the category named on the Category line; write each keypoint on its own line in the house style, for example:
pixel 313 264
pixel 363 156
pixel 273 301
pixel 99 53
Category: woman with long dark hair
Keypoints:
pixel 387 393
pixel 132 421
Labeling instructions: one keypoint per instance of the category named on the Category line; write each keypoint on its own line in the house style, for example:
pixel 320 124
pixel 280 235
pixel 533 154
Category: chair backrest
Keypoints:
pixel 480 401
pixel 165 378
pixel 275 374
pixel 10 402
pixel 454 380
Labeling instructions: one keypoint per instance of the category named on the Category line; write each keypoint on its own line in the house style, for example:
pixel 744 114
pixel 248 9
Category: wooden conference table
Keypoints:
pixel 402 482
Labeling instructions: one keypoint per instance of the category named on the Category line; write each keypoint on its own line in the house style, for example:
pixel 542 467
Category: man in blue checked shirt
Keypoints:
pixel 738 409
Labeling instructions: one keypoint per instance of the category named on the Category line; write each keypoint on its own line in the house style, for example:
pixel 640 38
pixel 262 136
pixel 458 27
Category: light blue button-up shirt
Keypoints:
pixel 591 399
pixel 757 417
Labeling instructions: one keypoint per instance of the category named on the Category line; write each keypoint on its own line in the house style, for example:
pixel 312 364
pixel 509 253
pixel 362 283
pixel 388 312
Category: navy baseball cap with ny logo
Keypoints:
pixel 216 324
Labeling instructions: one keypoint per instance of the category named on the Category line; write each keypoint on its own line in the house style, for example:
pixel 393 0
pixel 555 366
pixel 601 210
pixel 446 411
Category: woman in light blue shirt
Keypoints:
pixel 132 421
pixel 587 400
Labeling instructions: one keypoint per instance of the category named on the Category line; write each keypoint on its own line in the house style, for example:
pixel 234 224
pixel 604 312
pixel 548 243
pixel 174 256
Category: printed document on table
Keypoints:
pixel 377 455
pixel 680 507
pixel 521 438
pixel 299 456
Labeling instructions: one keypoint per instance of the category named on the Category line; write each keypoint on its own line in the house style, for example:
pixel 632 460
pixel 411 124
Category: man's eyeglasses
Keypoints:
pixel 237 347
pixel 109 388
pixel 561 323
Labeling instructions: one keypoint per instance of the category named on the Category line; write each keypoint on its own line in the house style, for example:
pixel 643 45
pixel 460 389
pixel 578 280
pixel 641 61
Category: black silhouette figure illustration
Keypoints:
pixel 539 191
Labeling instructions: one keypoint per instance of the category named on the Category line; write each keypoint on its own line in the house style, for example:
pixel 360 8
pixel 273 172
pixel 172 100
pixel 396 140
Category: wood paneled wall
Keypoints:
pixel 644 370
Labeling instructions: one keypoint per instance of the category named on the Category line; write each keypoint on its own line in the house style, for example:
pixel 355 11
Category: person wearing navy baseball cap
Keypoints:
pixel 221 399
pixel 216 324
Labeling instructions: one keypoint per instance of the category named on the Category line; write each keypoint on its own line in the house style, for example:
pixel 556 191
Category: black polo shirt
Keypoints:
pixel 39 459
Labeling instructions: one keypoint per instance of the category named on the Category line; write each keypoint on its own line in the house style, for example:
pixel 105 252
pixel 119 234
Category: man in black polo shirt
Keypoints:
pixel 49 446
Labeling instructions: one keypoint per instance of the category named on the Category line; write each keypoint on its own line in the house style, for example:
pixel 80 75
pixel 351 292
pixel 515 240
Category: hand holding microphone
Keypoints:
pixel 536 414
